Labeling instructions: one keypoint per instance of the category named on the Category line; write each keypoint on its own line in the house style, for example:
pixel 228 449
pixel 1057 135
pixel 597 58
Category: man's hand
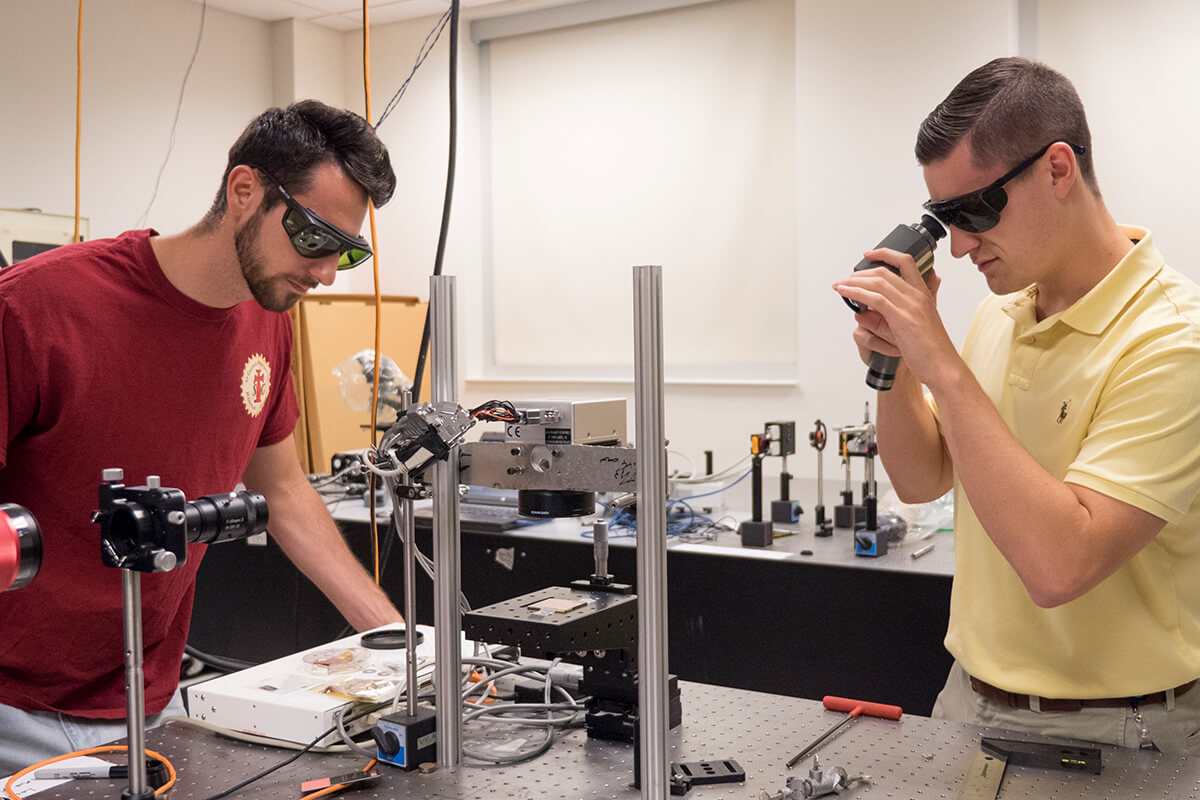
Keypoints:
pixel 901 317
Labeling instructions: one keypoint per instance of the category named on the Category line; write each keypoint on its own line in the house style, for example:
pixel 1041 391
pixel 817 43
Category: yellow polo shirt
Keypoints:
pixel 1105 394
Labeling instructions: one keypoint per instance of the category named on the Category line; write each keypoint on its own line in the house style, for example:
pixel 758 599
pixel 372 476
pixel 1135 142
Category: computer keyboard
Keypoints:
pixel 479 518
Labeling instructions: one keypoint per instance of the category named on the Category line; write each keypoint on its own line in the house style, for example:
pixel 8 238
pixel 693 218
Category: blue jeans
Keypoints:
pixel 27 737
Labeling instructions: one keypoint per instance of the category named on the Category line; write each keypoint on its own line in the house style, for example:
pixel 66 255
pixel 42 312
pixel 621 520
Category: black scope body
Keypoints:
pixel 217 518
pixel 148 528
pixel 919 241
pixel 20 546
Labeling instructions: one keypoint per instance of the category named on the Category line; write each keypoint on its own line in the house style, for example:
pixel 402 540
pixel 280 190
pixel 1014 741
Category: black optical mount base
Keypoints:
pixel 756 533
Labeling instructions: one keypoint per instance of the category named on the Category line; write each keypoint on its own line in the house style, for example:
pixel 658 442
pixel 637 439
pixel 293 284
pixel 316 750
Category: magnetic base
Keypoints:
pixel 845 516
pixel 756 533
pixel 871 543
pixel 405 741
pixel 785 511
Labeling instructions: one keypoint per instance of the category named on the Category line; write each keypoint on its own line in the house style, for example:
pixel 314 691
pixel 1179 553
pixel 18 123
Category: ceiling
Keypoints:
pixel 341 15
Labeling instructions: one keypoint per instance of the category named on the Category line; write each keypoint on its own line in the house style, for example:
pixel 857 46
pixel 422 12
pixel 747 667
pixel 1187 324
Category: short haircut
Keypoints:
pixel 291 142
pixel 1007 110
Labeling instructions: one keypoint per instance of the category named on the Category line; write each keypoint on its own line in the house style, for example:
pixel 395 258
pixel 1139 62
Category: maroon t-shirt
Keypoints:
pixel 106 364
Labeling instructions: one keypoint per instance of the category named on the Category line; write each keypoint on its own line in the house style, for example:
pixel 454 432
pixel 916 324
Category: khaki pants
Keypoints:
pixel 1176 731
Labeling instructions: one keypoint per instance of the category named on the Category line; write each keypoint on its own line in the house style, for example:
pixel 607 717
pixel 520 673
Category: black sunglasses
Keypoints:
pixel 314 237
pixel 979 211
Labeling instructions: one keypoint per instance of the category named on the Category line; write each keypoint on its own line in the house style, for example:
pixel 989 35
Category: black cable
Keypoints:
pixel 441 247
pixel 223 663
pixel 422 54
pixel 178 108
pixel 370 709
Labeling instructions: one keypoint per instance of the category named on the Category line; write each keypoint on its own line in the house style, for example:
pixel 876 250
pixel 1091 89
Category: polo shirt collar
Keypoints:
pixel 1093 312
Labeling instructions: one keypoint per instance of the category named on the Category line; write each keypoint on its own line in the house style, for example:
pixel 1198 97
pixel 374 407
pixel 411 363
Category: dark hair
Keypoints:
pixel 291 142
pixel 1007 110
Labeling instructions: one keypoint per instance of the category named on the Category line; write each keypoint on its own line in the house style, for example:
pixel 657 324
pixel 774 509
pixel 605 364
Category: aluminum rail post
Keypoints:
pixel 407 525
pixel 653 700
pixel 135 692
pixel 447 549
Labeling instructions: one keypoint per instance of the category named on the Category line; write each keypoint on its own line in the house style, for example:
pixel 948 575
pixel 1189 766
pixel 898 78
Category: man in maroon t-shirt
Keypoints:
pixel 169 355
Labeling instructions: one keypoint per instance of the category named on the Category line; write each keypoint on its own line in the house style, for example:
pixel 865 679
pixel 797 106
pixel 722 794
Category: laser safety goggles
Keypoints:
pixel 979 211
pixel 314 237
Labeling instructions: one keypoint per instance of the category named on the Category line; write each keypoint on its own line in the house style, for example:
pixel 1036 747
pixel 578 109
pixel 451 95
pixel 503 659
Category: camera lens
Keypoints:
pixel 20 547
pixel 224 517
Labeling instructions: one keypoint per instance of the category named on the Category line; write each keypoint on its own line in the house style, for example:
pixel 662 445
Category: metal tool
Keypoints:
pixel 986 772
pixel 817 438
pixel 854 708
pixel 819 783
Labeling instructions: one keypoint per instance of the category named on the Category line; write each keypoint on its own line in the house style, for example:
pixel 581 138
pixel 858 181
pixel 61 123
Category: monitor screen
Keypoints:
pixel 23 250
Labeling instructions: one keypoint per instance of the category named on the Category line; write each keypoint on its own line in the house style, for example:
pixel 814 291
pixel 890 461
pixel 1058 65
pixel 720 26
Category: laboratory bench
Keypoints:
pixel 913 757
pixel 804 617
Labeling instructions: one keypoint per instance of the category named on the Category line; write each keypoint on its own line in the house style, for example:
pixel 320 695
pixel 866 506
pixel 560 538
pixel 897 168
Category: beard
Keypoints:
pixel 272 293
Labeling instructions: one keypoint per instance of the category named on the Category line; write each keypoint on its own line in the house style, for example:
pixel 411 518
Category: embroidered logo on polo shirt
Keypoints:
pixel 1062 412
pixel 256 384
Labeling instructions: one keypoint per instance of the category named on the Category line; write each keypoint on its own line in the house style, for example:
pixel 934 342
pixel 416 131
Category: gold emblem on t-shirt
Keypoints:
pixel 256 384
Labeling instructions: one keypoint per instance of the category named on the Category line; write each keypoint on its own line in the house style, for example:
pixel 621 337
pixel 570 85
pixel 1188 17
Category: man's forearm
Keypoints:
pixel 302 527
pixel 910 445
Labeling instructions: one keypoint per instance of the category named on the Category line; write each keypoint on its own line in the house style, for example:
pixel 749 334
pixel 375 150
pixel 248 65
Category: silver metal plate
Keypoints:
pixel 983 778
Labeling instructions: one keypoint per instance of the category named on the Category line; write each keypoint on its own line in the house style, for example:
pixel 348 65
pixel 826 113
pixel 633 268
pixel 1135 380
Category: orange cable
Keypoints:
pixel 108 748
pixel 378 301
pixel 78 111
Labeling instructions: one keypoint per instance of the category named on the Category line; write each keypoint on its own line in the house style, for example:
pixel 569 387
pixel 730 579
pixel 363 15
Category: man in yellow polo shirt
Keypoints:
pixel 1069 427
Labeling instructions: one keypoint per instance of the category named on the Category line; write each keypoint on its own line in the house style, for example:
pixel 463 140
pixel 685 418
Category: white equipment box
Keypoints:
pixel 295 698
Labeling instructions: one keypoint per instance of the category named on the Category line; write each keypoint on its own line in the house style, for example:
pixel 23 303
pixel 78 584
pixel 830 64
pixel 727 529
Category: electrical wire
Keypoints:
pixel 682 519
pixel 499 713
pixel 439 259
pixel 691 464
pixel 308 747
pixel 108 748
pixel 78 111
pixel 251 738
pixel 178 107
pixel 496 411
pixel 729 471
pixel 222 663
pixel 378 294
pixel 422 54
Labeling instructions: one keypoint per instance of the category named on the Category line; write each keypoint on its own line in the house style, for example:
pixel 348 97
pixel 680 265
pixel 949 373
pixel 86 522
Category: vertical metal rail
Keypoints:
pixel 135 697
pixel 406 524
pixel 652 531
pixel 447 575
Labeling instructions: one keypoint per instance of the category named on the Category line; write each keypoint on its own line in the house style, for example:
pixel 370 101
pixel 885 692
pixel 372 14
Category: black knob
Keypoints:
pixel 387 741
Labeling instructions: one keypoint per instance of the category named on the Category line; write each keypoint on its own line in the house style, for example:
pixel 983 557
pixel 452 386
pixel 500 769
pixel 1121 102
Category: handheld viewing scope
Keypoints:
pixel 919 241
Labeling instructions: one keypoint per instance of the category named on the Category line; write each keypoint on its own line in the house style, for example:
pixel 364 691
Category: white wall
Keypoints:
pixel 867 71
pixel 134 58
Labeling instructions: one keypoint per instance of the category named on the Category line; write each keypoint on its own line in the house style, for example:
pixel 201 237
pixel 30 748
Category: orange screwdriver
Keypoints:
pixel 853 708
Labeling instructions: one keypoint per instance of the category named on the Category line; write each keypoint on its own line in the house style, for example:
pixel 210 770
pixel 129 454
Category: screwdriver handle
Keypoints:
pixel 856 707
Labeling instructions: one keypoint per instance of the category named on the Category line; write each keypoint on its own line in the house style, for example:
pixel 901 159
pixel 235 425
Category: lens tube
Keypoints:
pixel 225 517
pixel 917 240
